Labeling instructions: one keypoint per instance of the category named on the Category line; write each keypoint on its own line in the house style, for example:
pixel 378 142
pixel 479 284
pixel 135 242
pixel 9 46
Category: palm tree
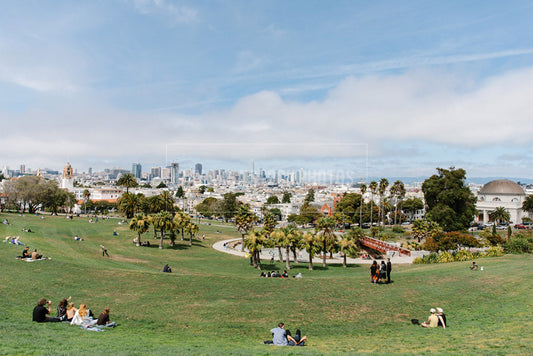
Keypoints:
pixel 167 201
pixel 140 224
pixel 192 229
pixel 362 188
pixel 285 237
pixel 129 204
pixel 499 215
pixel 397 190
pixel 327 236
pixel 244 220
pixel 269 224
pixel 86 196
pixel 163 221
pixel 383 184
pixel 127 180
pixel 527 205
pixel 254 242
pixel 181 220
pixel 310 244
pixel 347 246
pixel 373 186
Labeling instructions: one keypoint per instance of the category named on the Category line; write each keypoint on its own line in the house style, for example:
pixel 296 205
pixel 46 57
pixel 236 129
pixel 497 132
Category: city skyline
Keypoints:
pixel 405 87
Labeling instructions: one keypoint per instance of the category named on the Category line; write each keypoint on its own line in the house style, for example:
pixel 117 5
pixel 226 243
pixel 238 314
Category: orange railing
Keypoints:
pixel 383 246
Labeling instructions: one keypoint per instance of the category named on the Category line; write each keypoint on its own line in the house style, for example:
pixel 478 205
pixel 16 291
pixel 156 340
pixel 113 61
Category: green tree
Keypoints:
pixel 161 185
pixel 202 189
pixel 244 220
pixel 348 247
pixel 129 204
pixel 411 205
pixel 163 222
pixel 311 243
pixel 373 186
pixel 181 220
pixel 349 205
pixel 310 197
pixel 86 196
pixel 327 236
pixel 309 213
pixel 272 200
pixel 192 229
pixel 229 206
pixel 276 212
pixel 254 242
pixel 285 237
pixel 167 201
pixel 382 188
pixel 362 189
pixel 207 207
pixel 398 193
pixel 140 224
pixel 269 224
pixel 286 197
pixel 180 193
pixel 127 180
pixel 527 205
pixel 450 202
pixel 499 215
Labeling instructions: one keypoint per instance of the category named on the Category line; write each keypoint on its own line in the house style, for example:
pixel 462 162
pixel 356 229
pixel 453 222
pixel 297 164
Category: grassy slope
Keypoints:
pixel 217 304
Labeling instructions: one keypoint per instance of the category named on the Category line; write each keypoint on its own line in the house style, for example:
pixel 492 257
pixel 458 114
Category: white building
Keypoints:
pixel 501 193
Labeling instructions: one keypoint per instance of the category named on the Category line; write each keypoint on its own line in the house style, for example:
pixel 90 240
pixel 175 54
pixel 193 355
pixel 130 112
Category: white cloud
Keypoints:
pixel 177 13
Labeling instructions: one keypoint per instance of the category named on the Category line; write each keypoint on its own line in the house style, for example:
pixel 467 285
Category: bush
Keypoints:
pixel 398 229
pixel 494 251
pixel 445 257
pixel 519 243
pixel 495 240
pixel 387 236
pixel 418 261
pixel 464 255
pixel 450 241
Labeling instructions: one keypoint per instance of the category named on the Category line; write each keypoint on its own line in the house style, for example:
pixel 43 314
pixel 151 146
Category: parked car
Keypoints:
pixel 525 225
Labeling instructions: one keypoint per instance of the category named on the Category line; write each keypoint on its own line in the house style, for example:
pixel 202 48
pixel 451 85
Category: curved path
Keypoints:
pixel 303 257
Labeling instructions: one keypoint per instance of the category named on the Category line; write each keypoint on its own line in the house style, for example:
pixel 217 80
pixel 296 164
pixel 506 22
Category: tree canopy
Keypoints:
pixel 450 202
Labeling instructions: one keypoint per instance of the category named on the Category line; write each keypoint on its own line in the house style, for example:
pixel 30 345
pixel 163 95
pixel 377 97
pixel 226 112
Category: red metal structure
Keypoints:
pixel 383 246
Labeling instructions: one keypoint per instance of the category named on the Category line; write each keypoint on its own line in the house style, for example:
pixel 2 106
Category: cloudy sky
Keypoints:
pixel 393 88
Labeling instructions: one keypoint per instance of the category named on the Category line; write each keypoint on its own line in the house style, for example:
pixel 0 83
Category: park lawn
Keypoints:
pixel 216 303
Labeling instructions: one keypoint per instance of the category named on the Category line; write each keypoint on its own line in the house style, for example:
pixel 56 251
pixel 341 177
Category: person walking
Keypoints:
pixel 104 251
pixel 389 269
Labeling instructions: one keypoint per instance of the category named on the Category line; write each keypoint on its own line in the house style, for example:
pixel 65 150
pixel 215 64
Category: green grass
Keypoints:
pixel 216 303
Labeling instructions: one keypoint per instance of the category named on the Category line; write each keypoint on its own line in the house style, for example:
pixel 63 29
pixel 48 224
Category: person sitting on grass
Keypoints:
pixel 167 269
pixel 35 255
pixel 62 309
pixel 26 253
pixel 442 318
pixel 433 320
pixel 40 312
pixel 297 340
pixel 71 311
pixel 103 319
pixel 82 317
pixel 474 266
pixel 279 336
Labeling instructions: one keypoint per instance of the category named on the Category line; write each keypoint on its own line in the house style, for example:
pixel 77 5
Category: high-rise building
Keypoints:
pixel 174 172
pixel 90 171
pixel 136 170
pixel 166 173
pixel 22 169
pixel 156 172
pixel 198 169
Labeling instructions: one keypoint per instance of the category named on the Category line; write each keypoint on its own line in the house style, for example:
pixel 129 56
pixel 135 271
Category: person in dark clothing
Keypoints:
pixel 62 309
pixel 442 318
pixel 26 253
pixel 40 312
pixel 374 272
pixel 389 269
pixel 103 319
pixel 167 269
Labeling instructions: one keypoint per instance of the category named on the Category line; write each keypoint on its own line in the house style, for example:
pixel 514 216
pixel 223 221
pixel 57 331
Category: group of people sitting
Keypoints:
pixel 276 274
pixel 67 312
pixel 26 254
pixel 437 318
pixel 282 337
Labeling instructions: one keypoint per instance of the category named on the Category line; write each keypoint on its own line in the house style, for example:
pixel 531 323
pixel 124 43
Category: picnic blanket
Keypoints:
pixel 29 259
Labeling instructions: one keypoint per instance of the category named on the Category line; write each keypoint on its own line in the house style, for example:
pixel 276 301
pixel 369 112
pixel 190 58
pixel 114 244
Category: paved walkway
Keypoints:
pixel 267 254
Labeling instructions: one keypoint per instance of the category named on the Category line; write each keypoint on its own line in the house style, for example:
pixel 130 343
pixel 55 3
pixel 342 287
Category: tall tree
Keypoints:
pixel 244 220
pixel 286 197
pixel 362 189
pixel 272 200
pixel 310 197
pixel 348 206
pixel 129 204
pixel 527 205
pixel 86 196
pixel 127 180
pixel 397 191
pixel 140 224
pixel 181 221
pixel 192 229
pixel 373 186
pixel 327 236
pixel 269 224
pixel 254 242
pixel 382 188
pixel 348 247
pixel 230 205
pixel 450 202
pixel 163 222
pixel 285 237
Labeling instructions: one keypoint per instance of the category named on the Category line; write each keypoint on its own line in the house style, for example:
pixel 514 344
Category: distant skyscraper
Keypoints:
pixel 156 172
pixel 174 172
pixel 253 167
pixel 198 169
pixel 136 170
pixel 22 168
pixel 90 171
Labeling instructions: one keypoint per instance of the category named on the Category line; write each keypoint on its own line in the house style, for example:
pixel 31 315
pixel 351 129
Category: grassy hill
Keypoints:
pixel 217 304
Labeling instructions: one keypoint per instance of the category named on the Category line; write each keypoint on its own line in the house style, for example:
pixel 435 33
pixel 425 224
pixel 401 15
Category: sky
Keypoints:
pixel 365 88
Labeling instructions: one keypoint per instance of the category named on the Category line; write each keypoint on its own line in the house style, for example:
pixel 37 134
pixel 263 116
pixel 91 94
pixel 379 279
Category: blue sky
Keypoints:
pixel 418 84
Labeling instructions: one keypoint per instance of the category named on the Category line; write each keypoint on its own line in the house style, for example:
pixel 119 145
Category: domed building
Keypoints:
pixel 501 193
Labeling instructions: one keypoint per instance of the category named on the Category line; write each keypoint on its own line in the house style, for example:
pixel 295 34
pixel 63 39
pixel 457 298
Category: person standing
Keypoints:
pixel 104 251
pixel 373 272
pixel 389 269
pixel 40 312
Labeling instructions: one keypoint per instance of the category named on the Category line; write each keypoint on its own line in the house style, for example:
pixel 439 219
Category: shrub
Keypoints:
pixel 450 241
pixel 431 258
pixel 494 251
pixel 398 229
pixel 445 257
pixel 464 255
pixel 495 240
pixel 519 243
pixel 387 236
pixel 418 261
